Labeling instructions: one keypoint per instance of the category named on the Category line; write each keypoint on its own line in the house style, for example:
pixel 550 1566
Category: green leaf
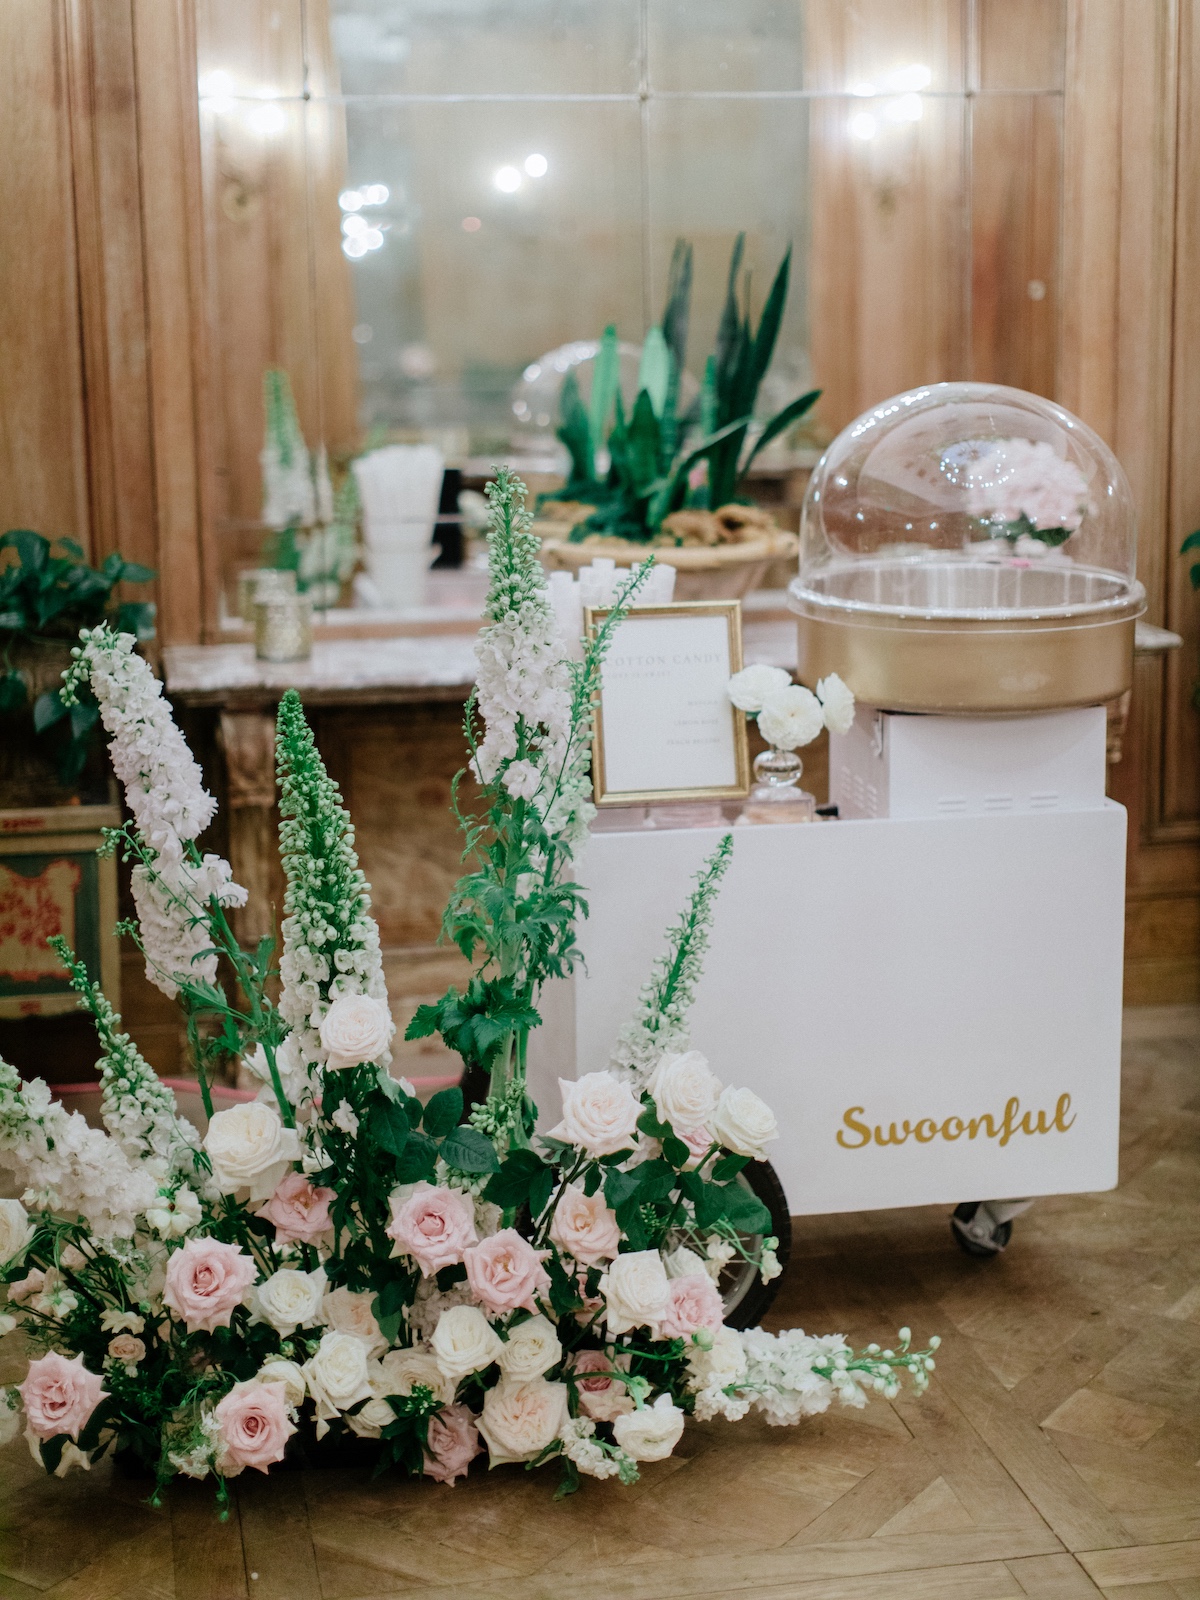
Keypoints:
pixel 677 309
pixel 468 1150
pixel 389 1126
pixel 649 1124
pixel 51 1451
pixel 509 1187
pixel 676 1152
pixel 134 572
pixel 575 431
pixel 728 1167
pixel 619 1187
pixel 768 323
pixel 13 693
pixel 47 710
pixel 418 1160
pixel 606 372
pixel 539 1191
pixel 1194 574
pixel 84 718
pixel 443 1112
pixel 709 1204
pixel 655 1180
pixel 1192 542
pixel 32 551
pixel 137 617
pixel 745 1211
pixel 629 1219
pixel 779 423
pixel 654 371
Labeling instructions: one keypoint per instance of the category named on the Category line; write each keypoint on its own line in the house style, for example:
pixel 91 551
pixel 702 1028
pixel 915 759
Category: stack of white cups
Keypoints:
pixel 400 487
pixel 599 585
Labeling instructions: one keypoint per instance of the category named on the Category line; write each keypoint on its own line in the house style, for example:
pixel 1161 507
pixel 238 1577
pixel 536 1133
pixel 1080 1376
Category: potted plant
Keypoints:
pixel 49 751
pixel 675 477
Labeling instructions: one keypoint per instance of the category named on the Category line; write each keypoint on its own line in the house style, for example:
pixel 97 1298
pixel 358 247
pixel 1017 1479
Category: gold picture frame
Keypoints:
pixel 608 794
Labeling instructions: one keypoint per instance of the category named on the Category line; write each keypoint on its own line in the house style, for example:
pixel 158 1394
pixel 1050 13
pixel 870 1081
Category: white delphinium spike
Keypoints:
pixel 67 1167
pixel 660 1023
pixel 330 939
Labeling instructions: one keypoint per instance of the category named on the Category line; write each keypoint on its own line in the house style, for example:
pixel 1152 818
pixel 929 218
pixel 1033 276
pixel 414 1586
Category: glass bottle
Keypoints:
pixel 775 797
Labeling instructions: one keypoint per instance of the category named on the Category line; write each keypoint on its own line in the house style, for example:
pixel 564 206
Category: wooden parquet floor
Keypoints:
pixel 1056 1455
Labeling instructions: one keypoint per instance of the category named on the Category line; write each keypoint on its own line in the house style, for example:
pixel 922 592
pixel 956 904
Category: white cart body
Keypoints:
pixel 931 1006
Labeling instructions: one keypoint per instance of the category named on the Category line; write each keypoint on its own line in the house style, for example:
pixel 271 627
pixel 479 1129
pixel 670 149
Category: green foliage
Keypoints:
pixel 1192 542
pixel 49 592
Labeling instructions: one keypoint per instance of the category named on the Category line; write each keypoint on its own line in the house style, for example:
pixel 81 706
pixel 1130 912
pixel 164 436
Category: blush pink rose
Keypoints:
pixel 699 1142
pixel 505 1272
pixel 601 1397
pixel 585 1227
pixel 453 1443
pixel 435 1227
pixel 205 1280
pixel 299 1212
pixel 59 1395
pixel 255 1426
pixel 695 1303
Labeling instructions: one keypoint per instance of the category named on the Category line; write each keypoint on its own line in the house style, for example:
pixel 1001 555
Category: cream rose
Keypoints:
pixel 16 1230
pixel 289 1299
pixel 347 1312
pixel 636 1292
pixel 464 1341
pixel 651 1433
pixel 791 718
pixel 599 1114
pixel 585 1227
pixel 837 704
pixel 750 687
pixel 356 1029
pixel 250 1148
pixel 531 1349
pixel 337 1376
pixel 743 1123
pixel 682 1262
pixel 400 1371
pixel 685 1091
pixel 369 1421
pixel 520 1419
pixel 127 1349
pixel 277 1370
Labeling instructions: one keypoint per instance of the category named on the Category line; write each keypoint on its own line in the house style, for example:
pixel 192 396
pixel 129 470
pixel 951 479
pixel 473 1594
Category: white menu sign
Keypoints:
pixel 665 727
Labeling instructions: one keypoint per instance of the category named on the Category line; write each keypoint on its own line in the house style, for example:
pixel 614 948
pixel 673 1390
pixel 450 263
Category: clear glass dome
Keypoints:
pixel 965 510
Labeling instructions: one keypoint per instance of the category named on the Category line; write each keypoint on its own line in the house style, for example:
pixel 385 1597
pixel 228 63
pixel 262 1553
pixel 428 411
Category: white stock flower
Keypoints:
pixel 837 704
pixel 684 1090
pixel 355 1029
pixel 337 1376
pixel 464 1341
pixel 250 1148
pixel 651 1433
pixel 279 1370
pixel 345 1119
pixel 115 1321
pixel 791 718
pixel 599 1114
pixel 16 1230
pixel 713 1369
pixel 519 1420
pixel 522 779
pixel 531 1349
pixel 580 1445
pixel 635 1290
pixel 750 688
pixel 349 1312
pixel 173 1215
pixel 743 1123
pixel 289 1299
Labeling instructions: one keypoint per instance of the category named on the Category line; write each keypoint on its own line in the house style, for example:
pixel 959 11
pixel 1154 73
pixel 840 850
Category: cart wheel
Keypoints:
pixel 747 1298
pixel 976 1232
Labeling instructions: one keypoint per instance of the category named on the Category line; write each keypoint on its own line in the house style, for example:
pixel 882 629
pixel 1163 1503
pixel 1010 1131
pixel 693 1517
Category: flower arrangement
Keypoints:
pixel 335 1259
pixel 789 715
pixel 1026 493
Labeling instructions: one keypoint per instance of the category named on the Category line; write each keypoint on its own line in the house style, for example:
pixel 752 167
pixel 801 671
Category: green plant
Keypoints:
pixel 1192 542
pixel 47 593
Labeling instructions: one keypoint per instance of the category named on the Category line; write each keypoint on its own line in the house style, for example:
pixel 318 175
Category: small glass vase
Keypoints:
pixel 775 797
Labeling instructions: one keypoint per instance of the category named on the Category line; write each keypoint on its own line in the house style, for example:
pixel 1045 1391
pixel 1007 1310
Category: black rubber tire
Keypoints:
pixel 1000 1236
pixel 754 1297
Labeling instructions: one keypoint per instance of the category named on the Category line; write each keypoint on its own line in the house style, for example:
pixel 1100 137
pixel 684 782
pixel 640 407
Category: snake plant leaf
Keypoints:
pixel 575 431
pixel 606 373
pixel 1192 542
pixel 729 329
pixel 772 316
pixel 670 491
pixel 643 441
pixel 654 372
pixel 781 421
pixel 677 311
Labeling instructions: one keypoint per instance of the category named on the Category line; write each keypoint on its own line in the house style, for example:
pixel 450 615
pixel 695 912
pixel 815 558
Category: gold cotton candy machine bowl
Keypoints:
pixel 969 549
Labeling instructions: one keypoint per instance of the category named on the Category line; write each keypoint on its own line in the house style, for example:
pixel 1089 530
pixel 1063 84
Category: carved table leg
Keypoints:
pixel 248 740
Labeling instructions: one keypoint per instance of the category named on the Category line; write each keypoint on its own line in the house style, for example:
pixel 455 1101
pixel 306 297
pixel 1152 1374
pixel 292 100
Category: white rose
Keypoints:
pixel 371 1420
pixel 336 1376
pixel 651 1433
pixel 683 1263
pixel 16 1230
pixel 635 1290
pixel 356 1029
pixel 791 718
pixel 348 1312
pixel 173 1215
pixel 684 1090
pixel 743 1123
pixel 837 704
pixel 750 687
pixel 400 1371
pixel 520 1419
pixel 278 1370
pixel 599 1114
pixel 531 1349
pixel 249 1147
pixel 289 1299
pixel 464 1341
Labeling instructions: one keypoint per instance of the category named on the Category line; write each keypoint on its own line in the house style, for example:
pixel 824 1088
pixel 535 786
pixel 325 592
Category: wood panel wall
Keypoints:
pixel 1073 276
